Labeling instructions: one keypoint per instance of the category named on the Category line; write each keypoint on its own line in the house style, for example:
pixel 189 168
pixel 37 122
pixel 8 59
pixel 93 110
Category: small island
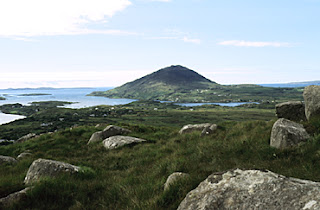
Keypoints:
pixel 2 98
pixel 35 94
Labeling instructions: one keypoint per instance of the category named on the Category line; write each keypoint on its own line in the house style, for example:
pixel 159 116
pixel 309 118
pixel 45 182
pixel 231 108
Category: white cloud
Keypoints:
pixel 26 18
pixel 195 41
pixel 241 43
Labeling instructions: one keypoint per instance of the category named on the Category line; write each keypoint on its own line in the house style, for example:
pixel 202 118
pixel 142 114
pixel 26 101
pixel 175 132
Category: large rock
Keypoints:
pixel 114 142
pixel 13 198
pixel 196 127
pixel 311 96
pixel 176 176
pixel 109 131
pixel 252 189
pixel 7 160
pixel 286 133
pixel 23 155
pixel 209 130
pixel 26 137
pixel 48 168
pixel 291 110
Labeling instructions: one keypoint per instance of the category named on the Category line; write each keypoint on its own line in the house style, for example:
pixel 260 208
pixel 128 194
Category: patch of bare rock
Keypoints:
pixel 291 110
pixel 252 189
pixel 109 131
pixel 311 96
pixel 13 198
pixel 114 142
pixel 205 128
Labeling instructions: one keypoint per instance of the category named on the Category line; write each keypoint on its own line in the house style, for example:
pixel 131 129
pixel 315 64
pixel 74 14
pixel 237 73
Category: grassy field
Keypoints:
pixel 133 177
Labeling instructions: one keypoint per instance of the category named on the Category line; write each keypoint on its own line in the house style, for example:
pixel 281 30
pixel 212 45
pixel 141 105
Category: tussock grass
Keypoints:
pixel 133 177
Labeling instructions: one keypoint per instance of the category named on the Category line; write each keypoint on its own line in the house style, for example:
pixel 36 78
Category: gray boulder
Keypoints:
pixel 48 168
pixel 311 96
pixel 286 133
pixel 209 130
pixel 13 198
pixel 7 160
pixel 110 130
pixel 114 142
pixel 196 127
pixel 252 189
pixel 291 110
pixel 26 137
pixel 176 176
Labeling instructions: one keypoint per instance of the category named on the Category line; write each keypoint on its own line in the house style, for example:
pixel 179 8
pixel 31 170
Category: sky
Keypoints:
pixel 106 43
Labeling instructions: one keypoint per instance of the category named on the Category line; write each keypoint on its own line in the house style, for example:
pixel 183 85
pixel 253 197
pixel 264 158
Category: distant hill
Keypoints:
pixel 161 84
pixel 180 84
pixel 293 84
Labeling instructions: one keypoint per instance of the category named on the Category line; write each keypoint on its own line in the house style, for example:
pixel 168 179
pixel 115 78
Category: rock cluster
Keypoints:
pixel 252 189
pixel 114 142
pixel 205 128
pixel 286 133
pixel 109 131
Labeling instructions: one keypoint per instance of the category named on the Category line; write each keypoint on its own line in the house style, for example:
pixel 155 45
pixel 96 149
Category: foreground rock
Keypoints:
pixel 205 128
pixel 48 168
pixel 311 96
pixel 253 189
pixel 26 137
pixel 13 198
pixel 286 133
pixel 7 160
pixel 292 110
pixel 109 131
pixel 177 176
pixel 114 142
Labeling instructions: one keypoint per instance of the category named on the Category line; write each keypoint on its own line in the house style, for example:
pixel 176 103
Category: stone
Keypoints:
pixel 286 133
pixel 209 130
pixel 13 198
pixel 7 160
pixel 23 155
pixel 109 131
pixel 48 168
pixel 291 110
pixel 114 142
pixel 176 176
pixel 311 96
pixel 252 189
pixel 196 127
pixel 26 137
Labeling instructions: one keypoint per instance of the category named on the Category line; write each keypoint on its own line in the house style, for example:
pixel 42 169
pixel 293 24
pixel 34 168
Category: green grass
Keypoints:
pixel 133 177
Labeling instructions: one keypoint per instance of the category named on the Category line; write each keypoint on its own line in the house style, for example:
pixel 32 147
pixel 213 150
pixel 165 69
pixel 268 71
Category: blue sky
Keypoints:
pixel 77 43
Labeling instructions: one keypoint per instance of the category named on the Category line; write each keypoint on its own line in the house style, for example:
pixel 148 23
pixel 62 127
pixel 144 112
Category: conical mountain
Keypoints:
pixel 164 84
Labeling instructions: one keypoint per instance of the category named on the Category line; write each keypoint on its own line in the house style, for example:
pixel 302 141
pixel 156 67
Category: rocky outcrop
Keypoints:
pixel 252 189
pixel 291 110
pixel 13 198
pixel 176 176
pixel 7 160
pixel 114 142
pixel 26 137
pixel 286 133
pixel 311 96
pixel 109 131
pixel 205 128
pixel 48 168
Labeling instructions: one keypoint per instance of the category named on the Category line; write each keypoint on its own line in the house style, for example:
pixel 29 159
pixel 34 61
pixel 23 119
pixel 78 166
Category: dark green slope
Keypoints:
pixel 180 84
